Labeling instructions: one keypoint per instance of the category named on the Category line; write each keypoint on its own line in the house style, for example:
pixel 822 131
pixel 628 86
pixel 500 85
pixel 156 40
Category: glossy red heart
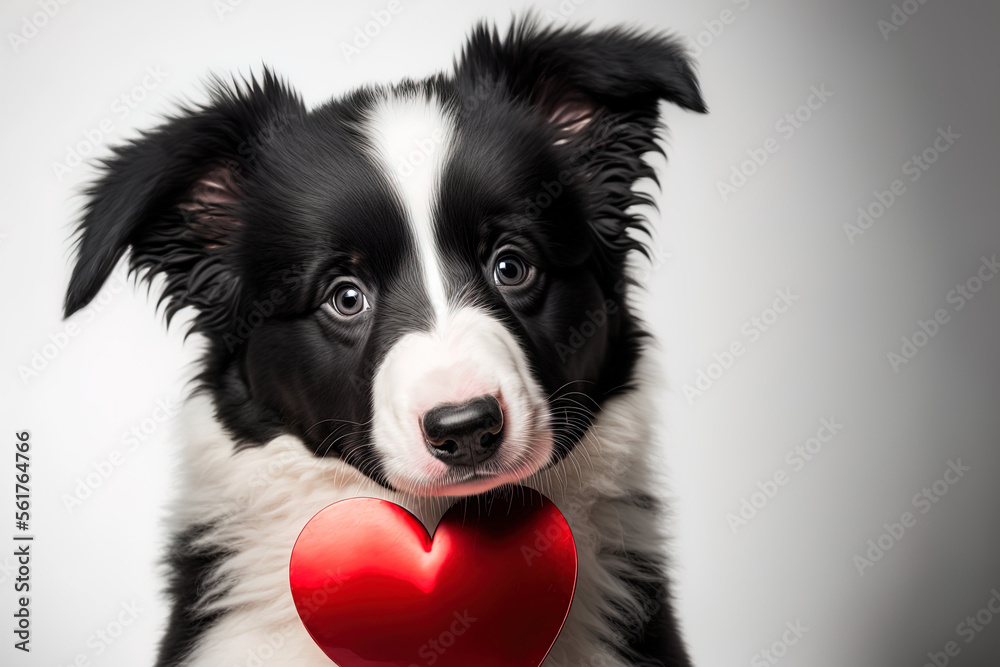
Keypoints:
pixel 491 589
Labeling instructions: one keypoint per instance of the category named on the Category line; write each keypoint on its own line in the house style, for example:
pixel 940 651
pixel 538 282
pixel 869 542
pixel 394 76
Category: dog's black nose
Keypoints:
pixel 465 434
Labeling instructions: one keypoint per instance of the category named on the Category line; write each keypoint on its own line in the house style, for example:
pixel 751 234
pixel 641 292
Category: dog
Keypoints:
pixel 415 292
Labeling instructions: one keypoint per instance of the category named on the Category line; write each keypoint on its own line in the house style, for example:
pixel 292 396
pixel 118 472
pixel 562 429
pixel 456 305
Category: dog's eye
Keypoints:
pixel 349 300
pixel 510 271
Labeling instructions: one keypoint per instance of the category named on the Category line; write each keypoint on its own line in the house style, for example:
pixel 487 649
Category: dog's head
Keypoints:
pixel 425 280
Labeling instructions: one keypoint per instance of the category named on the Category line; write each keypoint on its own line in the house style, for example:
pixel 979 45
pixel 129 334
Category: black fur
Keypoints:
pixel 191 570
pixel 656 641
pixel 251 207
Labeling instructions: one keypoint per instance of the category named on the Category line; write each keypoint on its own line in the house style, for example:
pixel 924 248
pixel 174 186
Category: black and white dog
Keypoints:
pixel 415 292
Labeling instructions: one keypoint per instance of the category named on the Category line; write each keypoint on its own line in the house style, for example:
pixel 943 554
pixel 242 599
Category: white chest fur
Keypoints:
pixel 260 498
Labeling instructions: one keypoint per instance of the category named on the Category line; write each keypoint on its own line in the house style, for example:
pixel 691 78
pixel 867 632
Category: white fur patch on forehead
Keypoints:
pixel 411 136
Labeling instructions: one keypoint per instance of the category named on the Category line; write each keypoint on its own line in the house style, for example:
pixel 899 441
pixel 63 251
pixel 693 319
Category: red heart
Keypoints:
pixel 492 589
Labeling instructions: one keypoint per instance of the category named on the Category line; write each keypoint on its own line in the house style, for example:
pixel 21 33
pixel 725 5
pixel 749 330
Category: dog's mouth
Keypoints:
pixel 469 480
pixel 476 481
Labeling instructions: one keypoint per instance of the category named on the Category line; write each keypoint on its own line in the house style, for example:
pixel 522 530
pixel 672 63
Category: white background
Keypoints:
pixel 721 264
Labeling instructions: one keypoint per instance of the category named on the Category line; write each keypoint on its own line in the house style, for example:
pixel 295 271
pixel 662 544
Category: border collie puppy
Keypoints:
pixel 416 292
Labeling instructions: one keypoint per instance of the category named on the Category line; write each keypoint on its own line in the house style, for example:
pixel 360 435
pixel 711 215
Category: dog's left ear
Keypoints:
pixel 573 76
pixel 175 196
pixel 598 91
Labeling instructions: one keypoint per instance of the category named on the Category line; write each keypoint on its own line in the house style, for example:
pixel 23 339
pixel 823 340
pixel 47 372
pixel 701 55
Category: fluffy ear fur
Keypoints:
pixel 571 72
pixel 600 92
pixel 174 197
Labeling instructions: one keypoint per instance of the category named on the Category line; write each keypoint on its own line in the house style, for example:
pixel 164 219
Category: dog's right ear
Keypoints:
pixel 174 196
